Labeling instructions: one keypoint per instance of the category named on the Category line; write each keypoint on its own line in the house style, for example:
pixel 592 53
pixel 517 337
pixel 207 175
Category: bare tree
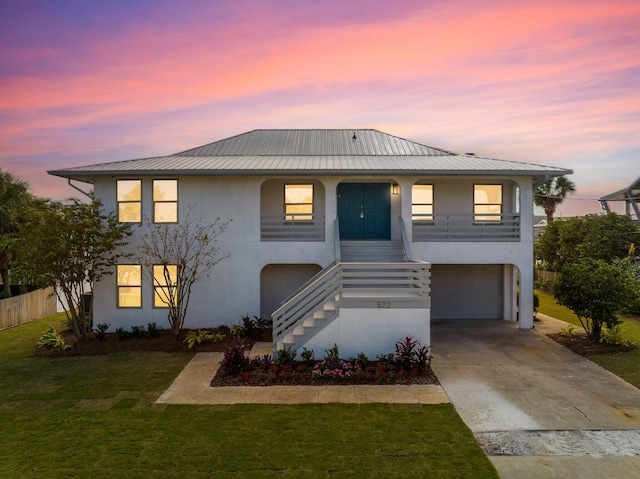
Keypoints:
pixel 177 255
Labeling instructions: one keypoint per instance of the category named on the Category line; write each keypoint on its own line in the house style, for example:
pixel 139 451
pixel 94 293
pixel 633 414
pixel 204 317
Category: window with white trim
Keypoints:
pixel 165 285
pixel 129 278
pixel 487 203
pixel 298 202
pixel 165 201
pixel 129 198
pixel 422 203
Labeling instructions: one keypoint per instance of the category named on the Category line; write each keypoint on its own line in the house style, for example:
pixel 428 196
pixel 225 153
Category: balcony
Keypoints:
pixel 461 227
pixel 281 227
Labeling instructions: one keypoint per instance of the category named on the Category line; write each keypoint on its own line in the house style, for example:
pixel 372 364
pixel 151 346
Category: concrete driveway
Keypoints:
pixel 536 408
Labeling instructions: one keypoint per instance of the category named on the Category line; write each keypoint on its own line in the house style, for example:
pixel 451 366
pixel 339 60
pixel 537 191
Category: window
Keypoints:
pixel 129 285
pixel 422 203
pixel 487 203
pixel 129 196
pixel 164 285
pixel 298 202
pixel 165 201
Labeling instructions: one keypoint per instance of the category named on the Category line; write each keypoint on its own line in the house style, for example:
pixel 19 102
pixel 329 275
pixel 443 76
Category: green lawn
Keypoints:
pixel 95 417
pixel 626 365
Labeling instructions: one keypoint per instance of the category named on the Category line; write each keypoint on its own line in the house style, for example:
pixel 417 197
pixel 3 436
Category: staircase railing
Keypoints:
pixel 405 240
pixel 363 285
pixel 321 289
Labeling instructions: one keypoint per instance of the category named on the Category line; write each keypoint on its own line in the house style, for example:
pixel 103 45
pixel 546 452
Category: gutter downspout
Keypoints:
pixel 79 189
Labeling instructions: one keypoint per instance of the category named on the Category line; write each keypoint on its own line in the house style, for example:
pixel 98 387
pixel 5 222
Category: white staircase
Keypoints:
pixel 366 274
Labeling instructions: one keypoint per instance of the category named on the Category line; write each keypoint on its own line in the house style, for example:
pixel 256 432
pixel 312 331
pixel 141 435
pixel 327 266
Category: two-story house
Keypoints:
pixel 352 237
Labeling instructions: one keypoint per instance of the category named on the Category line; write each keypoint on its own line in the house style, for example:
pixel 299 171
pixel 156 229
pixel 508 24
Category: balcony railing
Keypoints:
pixel 491 227
pixel 281 227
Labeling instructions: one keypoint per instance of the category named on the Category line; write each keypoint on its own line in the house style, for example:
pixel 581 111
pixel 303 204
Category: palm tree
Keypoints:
pixel 551 193
pixel 14 196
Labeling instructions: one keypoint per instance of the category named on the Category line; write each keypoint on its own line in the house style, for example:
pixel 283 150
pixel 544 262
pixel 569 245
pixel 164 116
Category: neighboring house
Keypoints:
pixel 353 237
pixel 629 195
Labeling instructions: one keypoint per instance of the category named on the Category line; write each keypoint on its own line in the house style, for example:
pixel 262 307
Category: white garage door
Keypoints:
pixel 466 291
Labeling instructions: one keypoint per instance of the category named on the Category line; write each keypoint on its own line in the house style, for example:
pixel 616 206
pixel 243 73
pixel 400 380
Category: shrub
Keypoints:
pixel 138 331
pixel 286 357
pixel 307 355
pixel 152 330
pixel 361 359
pixel 123 334
pixel 411 354
pixel 201 336
pixel 101 330
pixel 332 353
pixel 235 360
pixel 52 339
pixel 252 327
pixel 615 336
pixel 569 331
pixel 261 362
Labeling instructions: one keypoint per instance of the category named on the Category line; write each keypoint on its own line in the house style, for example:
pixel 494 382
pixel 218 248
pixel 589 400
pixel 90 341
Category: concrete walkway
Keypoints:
pixel 192 387
pixel 536 408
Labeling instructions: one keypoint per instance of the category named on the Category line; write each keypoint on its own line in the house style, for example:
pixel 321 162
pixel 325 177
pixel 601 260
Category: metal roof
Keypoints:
pixel 631 191
pixel 311 152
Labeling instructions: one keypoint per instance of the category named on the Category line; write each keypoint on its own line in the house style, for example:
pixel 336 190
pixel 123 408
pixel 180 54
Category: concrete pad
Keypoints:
pixel 558 467
pixel 537 409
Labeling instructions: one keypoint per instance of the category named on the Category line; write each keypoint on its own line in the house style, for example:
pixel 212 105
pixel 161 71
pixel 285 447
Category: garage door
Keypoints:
pixel 466 291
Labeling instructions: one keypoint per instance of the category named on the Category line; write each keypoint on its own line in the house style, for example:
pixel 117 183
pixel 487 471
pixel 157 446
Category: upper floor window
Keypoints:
pixel 129 277
pixel 298 202
pixel 487 202
pixel 165 201
pixel 129 197
pixel 164 285
pixel 422 203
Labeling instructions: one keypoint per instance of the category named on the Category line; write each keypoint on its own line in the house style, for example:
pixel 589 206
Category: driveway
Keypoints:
pixel 536 408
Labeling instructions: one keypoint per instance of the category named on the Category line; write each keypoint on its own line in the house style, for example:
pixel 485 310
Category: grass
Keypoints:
pixel 95 417
pixel 625 364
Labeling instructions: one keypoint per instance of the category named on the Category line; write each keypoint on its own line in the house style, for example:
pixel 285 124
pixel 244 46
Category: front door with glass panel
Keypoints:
pixel 364 211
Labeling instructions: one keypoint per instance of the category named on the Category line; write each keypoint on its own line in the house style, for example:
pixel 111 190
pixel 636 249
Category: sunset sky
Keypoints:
pixel 548 82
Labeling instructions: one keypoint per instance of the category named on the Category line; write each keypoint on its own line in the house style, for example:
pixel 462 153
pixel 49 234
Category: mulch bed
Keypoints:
pixel 425 377
pixel 164 342
pixel 583 345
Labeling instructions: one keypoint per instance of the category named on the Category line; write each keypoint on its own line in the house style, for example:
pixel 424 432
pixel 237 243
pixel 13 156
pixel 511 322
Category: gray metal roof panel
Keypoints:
pixel 307 152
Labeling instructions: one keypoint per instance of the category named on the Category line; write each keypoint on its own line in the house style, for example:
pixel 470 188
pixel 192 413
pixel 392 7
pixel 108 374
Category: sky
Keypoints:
pixel 548 82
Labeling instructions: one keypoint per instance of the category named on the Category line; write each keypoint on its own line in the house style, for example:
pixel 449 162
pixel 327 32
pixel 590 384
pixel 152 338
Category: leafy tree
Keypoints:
pixel 69 247
pixel 595 291
pixel 551 193
pixel 14 198
pixel 604 237
pixel 186 252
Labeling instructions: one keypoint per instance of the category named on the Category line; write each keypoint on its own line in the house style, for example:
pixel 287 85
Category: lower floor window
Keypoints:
pixel 165 285
pixel 129 285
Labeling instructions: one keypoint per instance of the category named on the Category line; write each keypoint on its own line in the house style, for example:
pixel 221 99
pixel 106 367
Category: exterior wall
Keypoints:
pixel 384 327
pixel 234 287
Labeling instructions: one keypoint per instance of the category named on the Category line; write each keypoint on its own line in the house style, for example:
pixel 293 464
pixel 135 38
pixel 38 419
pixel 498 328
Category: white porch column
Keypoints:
pixel 525 263
pixel 406 185
pixel 510 292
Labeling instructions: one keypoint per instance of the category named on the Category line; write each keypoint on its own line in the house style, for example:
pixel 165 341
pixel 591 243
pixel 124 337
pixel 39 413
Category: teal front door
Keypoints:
pixel 364 211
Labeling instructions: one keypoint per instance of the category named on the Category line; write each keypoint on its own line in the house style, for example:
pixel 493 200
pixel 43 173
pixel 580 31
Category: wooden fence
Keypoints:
pixel 27 307
pixel 545 275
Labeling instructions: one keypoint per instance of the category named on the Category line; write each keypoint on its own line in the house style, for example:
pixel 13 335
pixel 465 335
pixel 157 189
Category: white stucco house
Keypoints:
pixel 354 237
